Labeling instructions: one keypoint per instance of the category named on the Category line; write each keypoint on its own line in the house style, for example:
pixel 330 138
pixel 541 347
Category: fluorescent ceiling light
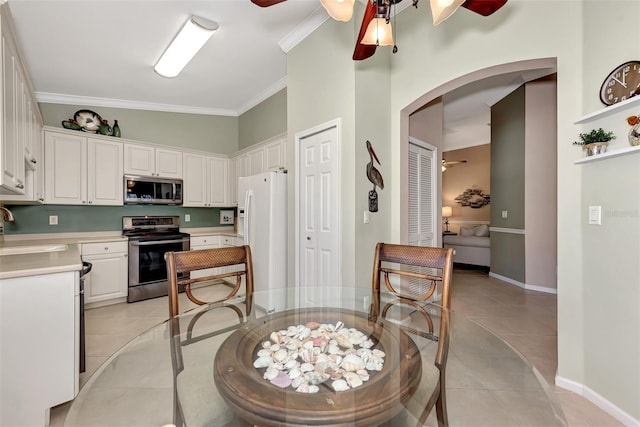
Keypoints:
pixel 193 35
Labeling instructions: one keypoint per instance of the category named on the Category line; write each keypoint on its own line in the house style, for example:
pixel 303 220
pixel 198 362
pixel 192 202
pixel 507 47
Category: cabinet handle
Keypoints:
pixel 83 202
pixel 34 161
pixel 106 248
pixel 41 199
pixel 19 185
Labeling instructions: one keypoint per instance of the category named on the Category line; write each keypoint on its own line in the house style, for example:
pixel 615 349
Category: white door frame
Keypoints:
pixel 337 123
pixel 437 196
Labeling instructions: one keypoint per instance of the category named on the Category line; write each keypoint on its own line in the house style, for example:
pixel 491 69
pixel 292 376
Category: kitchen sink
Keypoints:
pixel 21 250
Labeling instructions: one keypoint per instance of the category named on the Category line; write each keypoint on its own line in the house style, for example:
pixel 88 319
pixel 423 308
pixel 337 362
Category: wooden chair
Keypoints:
pixel 431 266
pixel 181 263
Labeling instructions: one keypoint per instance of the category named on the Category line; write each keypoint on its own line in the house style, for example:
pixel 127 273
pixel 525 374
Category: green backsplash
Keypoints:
pixel 35 219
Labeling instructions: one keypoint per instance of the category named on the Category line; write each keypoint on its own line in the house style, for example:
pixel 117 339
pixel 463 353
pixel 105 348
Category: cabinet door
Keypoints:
pixel 139 160
pixel 255 162
pixel 105 171
pixel 9 153
pixel 108 277
pixel 241 165
pixel 217 180
pixel 195 180
pixel 168 163
pixel 274 155
pixel 66 171
pixel 233 180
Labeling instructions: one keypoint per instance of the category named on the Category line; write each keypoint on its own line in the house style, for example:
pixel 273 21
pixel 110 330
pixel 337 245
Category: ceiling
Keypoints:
pixel 102 53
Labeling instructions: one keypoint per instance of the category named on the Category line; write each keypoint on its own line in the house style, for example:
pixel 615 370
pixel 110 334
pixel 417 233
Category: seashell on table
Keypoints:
pixel 306 356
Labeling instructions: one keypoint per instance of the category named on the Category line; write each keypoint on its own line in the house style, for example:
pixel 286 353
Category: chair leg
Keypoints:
pixel 441 405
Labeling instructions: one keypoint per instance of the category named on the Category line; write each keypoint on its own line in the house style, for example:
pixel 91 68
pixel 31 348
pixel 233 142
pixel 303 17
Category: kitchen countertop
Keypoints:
pixel 37 263
pixel 30 264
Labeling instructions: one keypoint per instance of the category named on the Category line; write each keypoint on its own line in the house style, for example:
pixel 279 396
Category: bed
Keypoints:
pixel 471 245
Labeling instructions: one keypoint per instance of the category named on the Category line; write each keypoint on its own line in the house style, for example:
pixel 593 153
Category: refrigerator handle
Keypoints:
pixel 247 215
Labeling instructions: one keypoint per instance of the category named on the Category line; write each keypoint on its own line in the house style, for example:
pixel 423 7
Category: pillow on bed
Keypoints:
pixel 482 231
pixel 467 231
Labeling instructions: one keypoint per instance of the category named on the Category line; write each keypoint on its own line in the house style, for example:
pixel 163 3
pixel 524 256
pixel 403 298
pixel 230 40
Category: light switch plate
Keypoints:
pixel 187 218
pixel 226 217
pixel 595 215
pixel 53 219
pixel 505 214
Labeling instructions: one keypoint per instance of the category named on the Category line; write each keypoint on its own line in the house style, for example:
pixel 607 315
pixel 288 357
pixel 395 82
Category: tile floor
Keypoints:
pixel 525 319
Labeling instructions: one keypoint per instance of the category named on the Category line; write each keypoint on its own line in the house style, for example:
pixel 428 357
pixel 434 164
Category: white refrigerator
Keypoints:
pixel 262 224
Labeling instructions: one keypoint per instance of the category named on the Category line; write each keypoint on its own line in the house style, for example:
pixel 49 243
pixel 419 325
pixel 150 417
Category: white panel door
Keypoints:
pixel 318 210
pixel 105 171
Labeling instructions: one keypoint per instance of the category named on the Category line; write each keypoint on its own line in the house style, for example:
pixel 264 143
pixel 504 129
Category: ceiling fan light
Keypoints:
pixel 443 9
pixel 340 10
pixel 379 33
pixel 193 35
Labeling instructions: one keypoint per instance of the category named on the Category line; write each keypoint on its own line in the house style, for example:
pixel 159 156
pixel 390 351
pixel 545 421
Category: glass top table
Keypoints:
pixel 199 368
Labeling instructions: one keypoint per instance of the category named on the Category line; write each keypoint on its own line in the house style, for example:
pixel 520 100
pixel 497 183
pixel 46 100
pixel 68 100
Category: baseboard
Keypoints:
pixel 597 400
pixel 524 285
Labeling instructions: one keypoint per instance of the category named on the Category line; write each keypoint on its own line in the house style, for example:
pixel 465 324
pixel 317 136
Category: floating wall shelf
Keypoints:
pixel 608 155
pixel 607 111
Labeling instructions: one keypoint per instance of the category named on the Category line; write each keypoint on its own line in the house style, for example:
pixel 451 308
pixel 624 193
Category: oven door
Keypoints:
pixel 147 267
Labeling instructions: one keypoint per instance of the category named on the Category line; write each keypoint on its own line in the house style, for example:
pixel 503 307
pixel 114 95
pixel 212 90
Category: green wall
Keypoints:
pixel 216 134
pixel 35 219
pixel 265 120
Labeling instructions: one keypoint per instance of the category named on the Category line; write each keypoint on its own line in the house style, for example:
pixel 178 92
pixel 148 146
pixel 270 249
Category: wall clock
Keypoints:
pixel 622 83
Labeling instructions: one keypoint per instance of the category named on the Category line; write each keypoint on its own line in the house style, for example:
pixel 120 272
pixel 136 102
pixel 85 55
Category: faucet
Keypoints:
pixel 6 214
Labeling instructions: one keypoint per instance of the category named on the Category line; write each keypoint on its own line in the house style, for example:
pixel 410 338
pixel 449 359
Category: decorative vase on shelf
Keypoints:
pixel 634 133
pixel 116 129
pixel 595 148
pixel 105 129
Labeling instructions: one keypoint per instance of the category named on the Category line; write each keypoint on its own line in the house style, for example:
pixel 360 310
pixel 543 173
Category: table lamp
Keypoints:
pixel 447 212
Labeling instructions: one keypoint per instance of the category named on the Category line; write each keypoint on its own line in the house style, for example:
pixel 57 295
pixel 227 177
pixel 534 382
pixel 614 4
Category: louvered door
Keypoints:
pixel 422 204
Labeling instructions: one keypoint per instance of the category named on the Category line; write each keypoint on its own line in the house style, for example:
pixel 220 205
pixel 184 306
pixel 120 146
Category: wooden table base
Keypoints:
pixel 259 402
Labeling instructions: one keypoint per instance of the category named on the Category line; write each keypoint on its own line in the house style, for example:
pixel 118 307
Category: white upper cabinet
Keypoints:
pixel 20 120
pixel 146 160
pixel 105 184
pixel 82 171
pixel 274 154
pixel 255 162
pixel 205 180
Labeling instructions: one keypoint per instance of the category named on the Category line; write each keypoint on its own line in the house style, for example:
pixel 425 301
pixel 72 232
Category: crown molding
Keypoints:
pixel 58 98
pixel 302 30
pixel 270 91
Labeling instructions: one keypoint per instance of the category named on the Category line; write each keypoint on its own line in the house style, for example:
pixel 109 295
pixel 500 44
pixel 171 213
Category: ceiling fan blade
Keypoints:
pixel 364 51
pixel 484 7
pixel 266 3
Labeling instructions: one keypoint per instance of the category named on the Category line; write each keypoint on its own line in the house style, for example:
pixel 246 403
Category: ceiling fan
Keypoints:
pixel 376 30
pixel 449 164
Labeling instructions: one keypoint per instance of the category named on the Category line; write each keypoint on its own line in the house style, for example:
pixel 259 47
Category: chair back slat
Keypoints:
pixel 179 263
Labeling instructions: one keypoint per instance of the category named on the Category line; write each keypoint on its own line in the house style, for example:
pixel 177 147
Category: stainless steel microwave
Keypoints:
pixel 152 191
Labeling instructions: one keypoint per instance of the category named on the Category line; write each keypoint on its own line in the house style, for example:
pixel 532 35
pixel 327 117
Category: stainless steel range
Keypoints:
pixel 150 237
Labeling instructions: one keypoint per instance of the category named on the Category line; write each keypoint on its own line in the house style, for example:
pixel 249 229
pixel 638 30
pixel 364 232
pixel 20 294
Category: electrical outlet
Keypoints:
pixel 187 218
pixel 53 219
pixel 505 214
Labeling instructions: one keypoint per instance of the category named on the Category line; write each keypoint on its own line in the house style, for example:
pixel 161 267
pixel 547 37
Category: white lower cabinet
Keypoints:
pixel 205 242
pixel 40 346
pixel 109 274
